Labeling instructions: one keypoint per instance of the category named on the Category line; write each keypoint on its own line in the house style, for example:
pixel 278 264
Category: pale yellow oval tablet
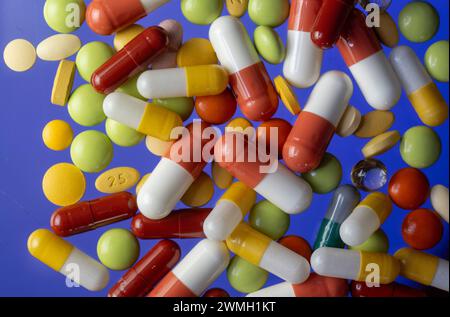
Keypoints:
pixel 197 51
pixel 19 55
pixel 237 8
pixel 388 32
pixel 142 182
pixel 241 125
pixel 287 95
pixel 350 122
pixel 64 184
pixel 117 180
pixel 63 83
pixel 58 47
pixel 221 177
pixel 156 146
pixel 381 144
pixel 124 36
pixel 200 192
pixel 375 123
pixel 440 202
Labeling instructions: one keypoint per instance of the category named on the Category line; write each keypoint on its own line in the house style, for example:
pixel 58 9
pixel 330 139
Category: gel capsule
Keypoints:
pixel 249 79
pixel 277 184
pixel 148 271
pixel 64 258
pixel 364 55
pixel 423 268
pixel 89 215
pixel 196 272
pixel 106 17
pixel 144 117
pixel 269 255
pixel 421 90
pixel 316 124
pixel 330 22
pixel 360 289
pixel 365 219
pixel 174 174
pixel 229 211
pixel 354 265
pixel 134 58
pixel 192 81
pixel 303 58
pixel 181 224
pixel 345 199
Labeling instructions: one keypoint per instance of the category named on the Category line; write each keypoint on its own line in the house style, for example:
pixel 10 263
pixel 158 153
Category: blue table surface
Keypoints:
pixel 26 108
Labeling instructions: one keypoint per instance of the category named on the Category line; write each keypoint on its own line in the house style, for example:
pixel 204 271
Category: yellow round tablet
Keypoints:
pixel 64 184
pixel 117 180
pixel 124 36
pixel 156 146
pixel 287 95
pixel 381 144
pixel 240 125
pixel 195 52
pixel 19 55
pixel 200 192
pixel 57 135
pixel 221 177
pixel 142 182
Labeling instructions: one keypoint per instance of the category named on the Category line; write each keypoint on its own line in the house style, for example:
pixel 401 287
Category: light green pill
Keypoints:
pixel 121 134
pixel 118 249
pixel 268 12
pixel 420 147
pixel 91 56
pixel 85 106
pixel 183 106
pixel 378 242
pixel 269 220
pixel 246 277
pixel 327 176
pixel 418 21
pixel 436 61
pixel 201 12
pixel 91 151
pixel 64 16
pixel 269 44
pixel 130 88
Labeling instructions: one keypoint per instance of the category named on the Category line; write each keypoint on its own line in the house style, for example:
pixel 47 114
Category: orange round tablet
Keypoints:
pixel 298 245
pixel 216 109
pixel 283 129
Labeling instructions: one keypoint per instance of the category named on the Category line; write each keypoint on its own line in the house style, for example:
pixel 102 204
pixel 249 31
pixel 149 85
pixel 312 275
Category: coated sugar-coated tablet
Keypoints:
pixel 327 176
pixel 298 245
pixel 121 134
pixel 91 151
pixel 57 135
pixel 64 16
pixel 269 219
pixel 375 123
pixel 91 56
pixel 183 106
pixel 64 176
pixel 200 192
pixel 58 47
pixel 409 188
pixel 216 109
pixel 378 243
pixel 123 37
pixel 422 229
pixel 244 276
pixel 63 82
pixel 418 21
pixel 85 106
pixel 268 12
pixel 420 147
pixel 196 51
pixel 221 177
pixel 237 8
pixel 282 127
pixel 269 45
pixel 117 180
pixel 130 88
pixel 437 61
pixel 118 249
pixel 350 122
pixel 201 12
pixel 19 55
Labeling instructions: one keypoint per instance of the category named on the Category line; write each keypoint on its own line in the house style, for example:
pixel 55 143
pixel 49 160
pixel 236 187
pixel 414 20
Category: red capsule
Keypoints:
pixel 89 215
pixel 360 289
pixel 134 58
pixel 216 292
pixel 143 276
pixel 181 224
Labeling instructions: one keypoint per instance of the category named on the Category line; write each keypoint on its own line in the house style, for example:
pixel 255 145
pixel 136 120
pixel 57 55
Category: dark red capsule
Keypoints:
pixel 360 289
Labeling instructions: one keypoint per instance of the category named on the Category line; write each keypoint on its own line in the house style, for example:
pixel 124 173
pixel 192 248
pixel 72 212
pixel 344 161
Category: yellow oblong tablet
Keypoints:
pixel 19 55
pixel 117 180
pixel 195 52
pixel 287 95
pixel 62 85
pixel 381 144
pixel 221 177
pixel 375 123
pixel 200 192
pixel 64 184
pixel 142 182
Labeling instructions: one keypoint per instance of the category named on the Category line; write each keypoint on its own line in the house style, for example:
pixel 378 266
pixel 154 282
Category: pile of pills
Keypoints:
pixel 214 78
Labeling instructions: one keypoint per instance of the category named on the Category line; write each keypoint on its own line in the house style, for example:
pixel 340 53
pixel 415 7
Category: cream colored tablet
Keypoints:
pixel 19 55
pixel 58 47
pixel 381 144
pixel 156 146
pixel 62 85
pixel 375 123
pixel 349 123
pixel 439 200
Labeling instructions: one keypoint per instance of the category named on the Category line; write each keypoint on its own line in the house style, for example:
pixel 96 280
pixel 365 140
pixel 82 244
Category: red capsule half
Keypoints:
pixel 360 289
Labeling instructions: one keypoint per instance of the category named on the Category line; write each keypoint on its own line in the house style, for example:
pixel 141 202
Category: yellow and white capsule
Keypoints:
pixel 269 255
pixel 423 268
pixel 144 117
pixel 64 258
pixel 192 81
pixel 365 219
pixel 422 92
pixel 229 211
pixel 355 265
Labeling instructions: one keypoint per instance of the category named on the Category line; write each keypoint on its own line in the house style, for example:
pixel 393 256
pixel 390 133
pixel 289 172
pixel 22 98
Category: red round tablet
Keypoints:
pixel 216 109
pixel 409 188
pixel 422 229
pixel 265 130
pixel 298 245
pixel 216 292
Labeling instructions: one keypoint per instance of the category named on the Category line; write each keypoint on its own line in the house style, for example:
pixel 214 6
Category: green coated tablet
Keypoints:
pixel 118 249
pixel 246 277
pixel 64 16
pixel 418 21
pixel 91 56
pixel 269 44
pixel 436 61
pixel 268 12
pixel 91 151
pixel 85 106
pixel 327 176
pixel 269 220
pixel 420 147
pixel 121 134
pixel 201 12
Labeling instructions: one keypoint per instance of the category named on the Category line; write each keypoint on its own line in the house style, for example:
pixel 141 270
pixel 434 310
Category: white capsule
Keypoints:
pixel 334 262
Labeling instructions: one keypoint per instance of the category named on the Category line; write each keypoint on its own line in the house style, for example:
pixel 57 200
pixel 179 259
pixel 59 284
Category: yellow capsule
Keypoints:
pixel 240 194
pixel 389 267
pixel 430 105
pixel 221 177
pixel 380 203
pixel 117 180
pixel 196 51
pixel 200 192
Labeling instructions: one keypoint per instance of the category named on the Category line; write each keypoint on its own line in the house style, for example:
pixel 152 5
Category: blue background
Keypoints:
pixel 26 108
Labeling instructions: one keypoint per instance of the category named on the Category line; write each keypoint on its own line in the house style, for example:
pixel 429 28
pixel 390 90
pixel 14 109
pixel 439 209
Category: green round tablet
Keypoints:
pixel 64 16
pixel 91 151
pixel 378 242
pixel 436 61
pixel 183 106
pixel 418 21
pixel 327 176
pixel 246 277
pixel 420 147
pixel 269 219
pixel 268 12
pixel 201 12
pixel 85 106
pixel 118 249
pixel 121 134
pixel 91 56
pixel 130 88
pixel 269 44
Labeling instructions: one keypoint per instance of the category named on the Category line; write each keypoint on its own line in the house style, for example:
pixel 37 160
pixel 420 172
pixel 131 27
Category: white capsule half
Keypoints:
pixel 339 263
pixel 125 109
pixel 359 226
pixel 222 220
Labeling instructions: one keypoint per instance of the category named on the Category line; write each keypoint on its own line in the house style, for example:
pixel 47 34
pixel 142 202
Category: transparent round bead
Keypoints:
pixel 369 175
